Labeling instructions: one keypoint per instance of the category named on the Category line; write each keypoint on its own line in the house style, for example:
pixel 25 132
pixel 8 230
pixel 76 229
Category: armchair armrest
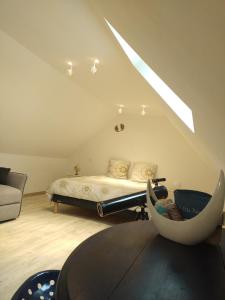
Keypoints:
pixel 17 180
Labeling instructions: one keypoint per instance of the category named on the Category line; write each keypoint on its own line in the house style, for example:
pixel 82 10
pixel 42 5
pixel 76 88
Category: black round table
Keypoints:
pixel 131 261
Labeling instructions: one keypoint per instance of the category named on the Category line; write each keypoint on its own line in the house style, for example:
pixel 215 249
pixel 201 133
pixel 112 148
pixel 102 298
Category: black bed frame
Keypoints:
pixel 56 198
pixel 74 201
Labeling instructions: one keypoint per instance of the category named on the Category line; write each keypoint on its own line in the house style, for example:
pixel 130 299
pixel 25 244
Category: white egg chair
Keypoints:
pixel 197 229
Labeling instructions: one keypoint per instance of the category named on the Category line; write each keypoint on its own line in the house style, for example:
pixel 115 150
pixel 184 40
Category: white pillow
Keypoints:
pixel 142 171
pixel 118 168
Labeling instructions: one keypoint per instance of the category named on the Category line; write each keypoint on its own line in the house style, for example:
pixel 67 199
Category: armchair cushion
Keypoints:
pixel 4 175
pixel 9 195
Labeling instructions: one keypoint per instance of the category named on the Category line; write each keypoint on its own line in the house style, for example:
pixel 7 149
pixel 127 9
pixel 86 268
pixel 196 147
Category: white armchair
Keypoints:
pixel 11 196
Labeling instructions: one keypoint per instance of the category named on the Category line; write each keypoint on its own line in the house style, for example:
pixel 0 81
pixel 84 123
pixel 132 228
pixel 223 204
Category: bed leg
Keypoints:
pixel 56 207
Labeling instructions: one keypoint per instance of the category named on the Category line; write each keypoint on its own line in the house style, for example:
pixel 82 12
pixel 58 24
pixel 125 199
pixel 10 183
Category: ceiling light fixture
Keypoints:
pixel 120 108
pixel 119 128
pixel 143 109
pixel 94 68
pixel 70 68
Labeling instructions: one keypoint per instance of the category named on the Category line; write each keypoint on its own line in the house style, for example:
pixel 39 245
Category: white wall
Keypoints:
pixel 41 171
pixel 151 139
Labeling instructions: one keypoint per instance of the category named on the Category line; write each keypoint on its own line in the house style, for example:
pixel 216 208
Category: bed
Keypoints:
pixel 87 191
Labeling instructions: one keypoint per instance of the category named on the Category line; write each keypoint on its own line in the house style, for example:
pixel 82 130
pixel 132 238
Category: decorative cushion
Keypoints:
pixel 118 168
pixel 4 175
pixel 143 171
pixel 190 203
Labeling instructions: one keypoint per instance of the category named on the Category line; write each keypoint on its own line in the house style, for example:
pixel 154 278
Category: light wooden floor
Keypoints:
pixel 40 240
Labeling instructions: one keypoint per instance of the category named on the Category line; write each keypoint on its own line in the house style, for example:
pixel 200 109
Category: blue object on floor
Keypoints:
pixel 190 203
pixel 39 286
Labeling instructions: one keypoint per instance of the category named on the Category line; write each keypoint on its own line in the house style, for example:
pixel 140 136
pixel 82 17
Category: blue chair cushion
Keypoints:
pixel 39 286
pixel 190 203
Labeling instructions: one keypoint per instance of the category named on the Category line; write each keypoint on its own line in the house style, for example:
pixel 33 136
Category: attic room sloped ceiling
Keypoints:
pixel 183 42
pixel 43 111
pixel 61 31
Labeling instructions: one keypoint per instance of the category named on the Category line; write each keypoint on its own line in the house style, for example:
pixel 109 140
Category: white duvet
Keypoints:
pixel 94 188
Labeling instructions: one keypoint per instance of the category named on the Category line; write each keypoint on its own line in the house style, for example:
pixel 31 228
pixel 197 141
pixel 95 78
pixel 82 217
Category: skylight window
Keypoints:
pixel 165 92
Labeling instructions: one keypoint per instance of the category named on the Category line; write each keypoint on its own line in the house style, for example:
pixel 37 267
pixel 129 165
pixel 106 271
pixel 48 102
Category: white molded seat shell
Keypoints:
pixel 197 229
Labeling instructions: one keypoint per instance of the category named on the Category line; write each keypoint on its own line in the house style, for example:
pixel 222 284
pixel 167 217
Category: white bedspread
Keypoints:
pixel 94 188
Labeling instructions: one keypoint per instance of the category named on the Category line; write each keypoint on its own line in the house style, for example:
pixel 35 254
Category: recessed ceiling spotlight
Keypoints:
pixel 94 68
pixel 143 109
pixel 120 108
pixel 70 68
